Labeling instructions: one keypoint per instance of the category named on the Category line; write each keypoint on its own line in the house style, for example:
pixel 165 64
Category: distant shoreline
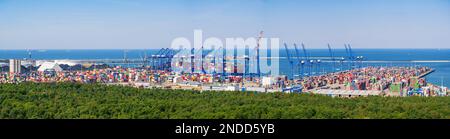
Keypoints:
pixel 51 49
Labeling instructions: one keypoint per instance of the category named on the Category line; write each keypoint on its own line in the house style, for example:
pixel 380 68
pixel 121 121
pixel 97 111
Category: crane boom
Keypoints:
pixel 332 58
pixel 299 61
pixel 235 62
pixel 159 56
pixel 202 57
pixel 309 62
pixel 352 58
pixel 154 58
pixel 192 60
pixel 224 61
pixel 297 53
pixel 349 57
pixel 304 52
pixel 289 59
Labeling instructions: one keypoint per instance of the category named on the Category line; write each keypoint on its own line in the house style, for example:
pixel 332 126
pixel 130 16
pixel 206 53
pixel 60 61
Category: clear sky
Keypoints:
pixel 146 24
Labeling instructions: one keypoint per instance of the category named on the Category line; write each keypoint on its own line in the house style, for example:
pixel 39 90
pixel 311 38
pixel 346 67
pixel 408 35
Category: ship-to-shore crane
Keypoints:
pixel 291 63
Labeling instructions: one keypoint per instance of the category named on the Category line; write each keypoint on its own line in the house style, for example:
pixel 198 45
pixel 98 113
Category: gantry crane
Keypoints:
pixel 291 63
pixel 333 67
pixel 155 58
pixel 299 62
pixel 308 62
pixel 348 56
pixel 192 60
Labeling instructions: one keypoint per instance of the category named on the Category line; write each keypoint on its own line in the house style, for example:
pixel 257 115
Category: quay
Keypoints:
pixel 426 73
pixel 349 93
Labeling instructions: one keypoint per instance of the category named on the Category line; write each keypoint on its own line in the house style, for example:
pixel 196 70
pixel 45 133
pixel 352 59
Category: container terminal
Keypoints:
pixel 167 69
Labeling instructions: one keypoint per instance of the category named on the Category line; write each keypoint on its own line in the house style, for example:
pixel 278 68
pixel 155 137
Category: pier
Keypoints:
pixel 347 93
pixel 426 73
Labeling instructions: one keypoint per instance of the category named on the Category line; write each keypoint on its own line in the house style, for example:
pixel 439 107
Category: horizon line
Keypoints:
pixel 207 49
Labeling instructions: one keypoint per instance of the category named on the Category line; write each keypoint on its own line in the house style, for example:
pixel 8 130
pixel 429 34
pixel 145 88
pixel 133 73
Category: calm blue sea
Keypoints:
pixel 439 59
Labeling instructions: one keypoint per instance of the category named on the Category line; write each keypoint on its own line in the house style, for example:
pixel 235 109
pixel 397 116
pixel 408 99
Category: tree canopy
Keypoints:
pixel 97 101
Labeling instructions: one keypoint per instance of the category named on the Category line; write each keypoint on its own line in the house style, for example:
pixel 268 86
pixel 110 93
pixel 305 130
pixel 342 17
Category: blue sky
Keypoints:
pixel 146 24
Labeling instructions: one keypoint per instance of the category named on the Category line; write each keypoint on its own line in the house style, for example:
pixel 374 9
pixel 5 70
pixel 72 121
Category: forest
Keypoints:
pixel 97 101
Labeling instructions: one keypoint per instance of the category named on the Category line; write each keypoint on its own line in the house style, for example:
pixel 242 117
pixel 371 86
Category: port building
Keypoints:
pixel 14 66
pixel 49 66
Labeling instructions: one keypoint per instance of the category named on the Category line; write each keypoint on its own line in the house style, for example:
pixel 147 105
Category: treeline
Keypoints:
pixel 70 100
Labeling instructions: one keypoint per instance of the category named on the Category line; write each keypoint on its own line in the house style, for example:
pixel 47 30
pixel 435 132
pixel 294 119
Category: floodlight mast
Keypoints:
pixel 258 45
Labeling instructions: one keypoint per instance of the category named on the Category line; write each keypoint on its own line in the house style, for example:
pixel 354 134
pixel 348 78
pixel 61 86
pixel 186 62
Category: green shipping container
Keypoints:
pixel 395 88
